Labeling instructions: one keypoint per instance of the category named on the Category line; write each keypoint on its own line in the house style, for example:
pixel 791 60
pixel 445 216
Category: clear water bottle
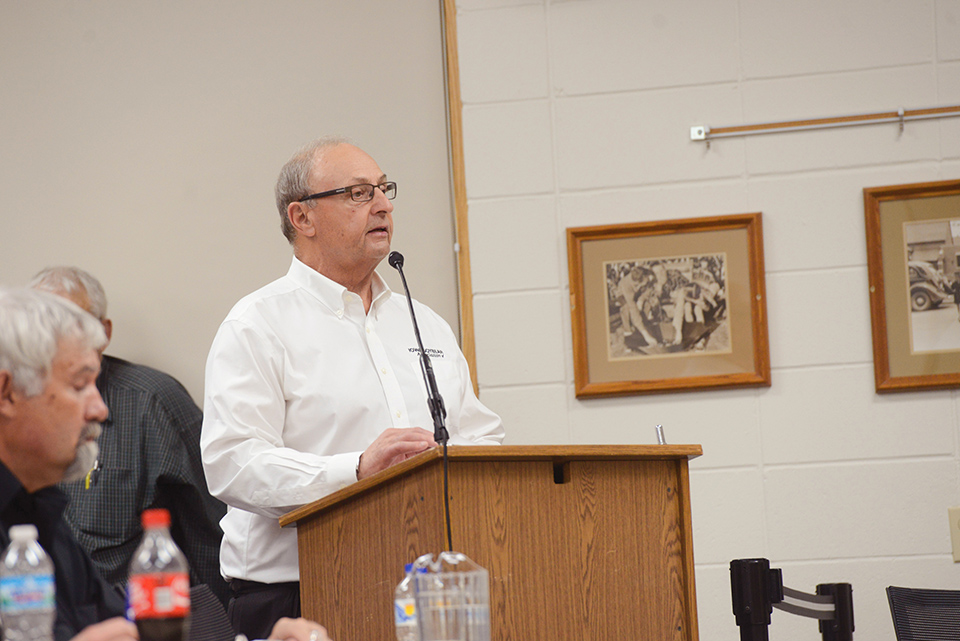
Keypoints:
pixel 405 608
pixel 158 588
pixel 27 590
pixel 453 598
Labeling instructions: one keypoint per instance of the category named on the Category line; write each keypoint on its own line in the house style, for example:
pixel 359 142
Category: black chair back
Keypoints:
pixel 925 615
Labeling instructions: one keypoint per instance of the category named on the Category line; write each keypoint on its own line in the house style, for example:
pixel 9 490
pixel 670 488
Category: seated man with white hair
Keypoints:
pixel 49 420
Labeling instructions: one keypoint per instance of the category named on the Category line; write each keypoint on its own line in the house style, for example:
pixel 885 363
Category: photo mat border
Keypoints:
pixel 895 368
pixel 747 365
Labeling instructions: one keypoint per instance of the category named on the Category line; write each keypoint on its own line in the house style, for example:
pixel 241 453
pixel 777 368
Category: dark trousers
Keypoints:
pixel 255 607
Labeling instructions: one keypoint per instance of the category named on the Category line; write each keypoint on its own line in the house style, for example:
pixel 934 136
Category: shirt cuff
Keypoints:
pixel 342 470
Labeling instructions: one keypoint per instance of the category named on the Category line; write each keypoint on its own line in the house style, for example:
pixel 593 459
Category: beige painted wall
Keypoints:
pixel 141 141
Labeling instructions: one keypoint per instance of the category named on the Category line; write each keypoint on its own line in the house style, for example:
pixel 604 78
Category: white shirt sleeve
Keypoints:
pixel 245 460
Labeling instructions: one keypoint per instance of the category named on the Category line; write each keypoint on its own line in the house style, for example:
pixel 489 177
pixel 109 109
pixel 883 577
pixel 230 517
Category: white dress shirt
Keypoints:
pixel 299 381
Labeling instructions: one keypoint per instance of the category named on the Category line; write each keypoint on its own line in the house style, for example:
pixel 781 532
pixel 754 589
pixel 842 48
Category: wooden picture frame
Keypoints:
pixel 913 243
pixel 674 305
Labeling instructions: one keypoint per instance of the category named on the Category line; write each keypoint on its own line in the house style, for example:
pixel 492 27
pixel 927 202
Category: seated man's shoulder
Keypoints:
pixel 118 374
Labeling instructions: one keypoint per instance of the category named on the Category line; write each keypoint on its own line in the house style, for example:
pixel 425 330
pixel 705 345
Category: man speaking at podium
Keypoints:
pixel 314 381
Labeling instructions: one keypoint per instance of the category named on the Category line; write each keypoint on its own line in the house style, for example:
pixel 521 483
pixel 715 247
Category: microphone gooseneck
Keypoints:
pixel 434 400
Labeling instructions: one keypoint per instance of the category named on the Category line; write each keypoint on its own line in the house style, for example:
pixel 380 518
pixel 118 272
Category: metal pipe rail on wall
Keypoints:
pixel 706 134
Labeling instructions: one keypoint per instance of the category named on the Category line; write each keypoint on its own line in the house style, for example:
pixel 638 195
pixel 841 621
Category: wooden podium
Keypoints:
pixel 586 543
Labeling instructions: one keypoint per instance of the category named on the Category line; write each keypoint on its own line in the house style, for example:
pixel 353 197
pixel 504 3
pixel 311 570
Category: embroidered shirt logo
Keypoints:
pixel 432 353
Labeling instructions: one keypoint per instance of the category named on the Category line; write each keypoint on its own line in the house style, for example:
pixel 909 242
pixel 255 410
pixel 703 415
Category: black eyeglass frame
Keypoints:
pixel 384 187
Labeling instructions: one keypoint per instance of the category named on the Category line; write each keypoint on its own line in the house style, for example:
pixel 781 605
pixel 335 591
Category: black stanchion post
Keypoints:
pixel 754 588
pixel 840 627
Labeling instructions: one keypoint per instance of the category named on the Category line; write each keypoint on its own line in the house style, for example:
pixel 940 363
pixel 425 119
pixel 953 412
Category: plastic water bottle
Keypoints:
pixel 453 598
pixel 27 590
pixel 158 589
pixel 405 608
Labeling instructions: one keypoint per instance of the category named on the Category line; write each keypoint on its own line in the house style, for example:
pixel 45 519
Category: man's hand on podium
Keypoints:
pixel 393 446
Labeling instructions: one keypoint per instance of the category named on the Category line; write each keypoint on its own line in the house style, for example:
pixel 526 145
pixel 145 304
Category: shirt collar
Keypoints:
pixel 333 294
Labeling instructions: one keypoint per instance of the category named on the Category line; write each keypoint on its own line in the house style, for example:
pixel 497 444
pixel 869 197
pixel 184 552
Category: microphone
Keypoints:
pixel 434 400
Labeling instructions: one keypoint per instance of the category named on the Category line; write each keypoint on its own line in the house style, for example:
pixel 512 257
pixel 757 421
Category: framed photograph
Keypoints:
pixel 668 306
pixel 913 247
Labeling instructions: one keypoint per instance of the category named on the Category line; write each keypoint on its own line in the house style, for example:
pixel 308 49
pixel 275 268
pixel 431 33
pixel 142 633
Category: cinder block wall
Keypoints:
pixel 578 113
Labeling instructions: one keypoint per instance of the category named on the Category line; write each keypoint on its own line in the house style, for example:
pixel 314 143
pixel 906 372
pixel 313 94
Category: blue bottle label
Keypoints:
pixel 27 592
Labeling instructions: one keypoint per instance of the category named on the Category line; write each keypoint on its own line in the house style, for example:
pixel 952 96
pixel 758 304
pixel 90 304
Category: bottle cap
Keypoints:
pixel 155 518
pixel 26 532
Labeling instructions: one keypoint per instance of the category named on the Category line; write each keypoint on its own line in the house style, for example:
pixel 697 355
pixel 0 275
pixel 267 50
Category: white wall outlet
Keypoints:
pixel 954 515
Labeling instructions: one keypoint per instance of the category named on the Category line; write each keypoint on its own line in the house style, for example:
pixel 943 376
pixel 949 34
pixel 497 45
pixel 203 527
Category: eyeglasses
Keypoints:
pixel 359 193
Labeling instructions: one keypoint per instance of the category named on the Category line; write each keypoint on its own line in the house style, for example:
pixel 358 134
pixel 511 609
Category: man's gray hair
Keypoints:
pixel 34 323
pixel 71 280
pixel 293 183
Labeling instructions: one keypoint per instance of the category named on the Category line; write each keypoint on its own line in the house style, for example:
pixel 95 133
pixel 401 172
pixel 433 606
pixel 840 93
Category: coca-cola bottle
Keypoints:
pixel 158 588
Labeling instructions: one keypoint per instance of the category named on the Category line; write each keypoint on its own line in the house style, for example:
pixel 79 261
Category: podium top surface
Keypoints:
pixel 554 453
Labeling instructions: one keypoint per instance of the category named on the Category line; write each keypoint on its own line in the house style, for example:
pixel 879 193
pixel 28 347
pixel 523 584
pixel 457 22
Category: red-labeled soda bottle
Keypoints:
pixel 158 588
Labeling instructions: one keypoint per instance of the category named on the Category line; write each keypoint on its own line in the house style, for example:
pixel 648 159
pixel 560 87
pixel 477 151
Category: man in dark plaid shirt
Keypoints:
pixel 149 458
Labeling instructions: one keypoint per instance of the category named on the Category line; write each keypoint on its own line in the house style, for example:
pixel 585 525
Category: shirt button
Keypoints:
pixel 368 330
pixel 383 370
pixel 339 313
pixel 398 414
